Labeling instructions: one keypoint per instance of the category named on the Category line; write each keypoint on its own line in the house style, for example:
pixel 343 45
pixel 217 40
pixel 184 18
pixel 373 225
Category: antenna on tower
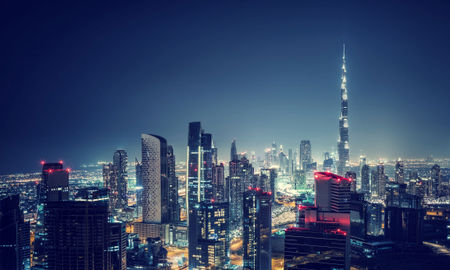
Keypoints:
pixel 343 53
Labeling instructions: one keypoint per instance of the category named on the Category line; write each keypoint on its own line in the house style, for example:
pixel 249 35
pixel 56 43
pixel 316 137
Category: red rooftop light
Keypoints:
pixel 328 176
pixel 42 162
pixel 61 162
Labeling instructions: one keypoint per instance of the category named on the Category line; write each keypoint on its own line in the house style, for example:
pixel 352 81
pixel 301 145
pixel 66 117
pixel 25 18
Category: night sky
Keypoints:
pixel 80 80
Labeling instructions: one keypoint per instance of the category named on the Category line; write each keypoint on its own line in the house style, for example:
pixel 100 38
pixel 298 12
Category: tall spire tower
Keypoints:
pixel 342 145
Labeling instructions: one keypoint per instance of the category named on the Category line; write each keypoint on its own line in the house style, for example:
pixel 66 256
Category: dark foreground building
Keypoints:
pixel 80 236
pixel 14 236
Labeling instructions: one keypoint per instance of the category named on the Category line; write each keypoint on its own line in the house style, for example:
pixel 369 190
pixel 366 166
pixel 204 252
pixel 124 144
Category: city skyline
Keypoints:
pixel 396 81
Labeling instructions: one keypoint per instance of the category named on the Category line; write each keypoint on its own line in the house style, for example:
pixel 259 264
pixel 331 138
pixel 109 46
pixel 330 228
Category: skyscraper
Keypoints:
pixel 80 236
pixel 399 172
pixel 120 160
pixel 240 177
pixel 435 174
pixel 365 178
pixel 174 207
pixel 342 145
pixel 54 187
pixel 220 187
pixel 14 236
pixel 233 154
pixel 110 182
pixel 305 154
pixel 212 250
pixel 257 226
pixel 154 179
pixel 198 182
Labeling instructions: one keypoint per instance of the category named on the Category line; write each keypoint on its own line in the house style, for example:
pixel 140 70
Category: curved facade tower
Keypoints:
pixel 154 179
pixel 342 145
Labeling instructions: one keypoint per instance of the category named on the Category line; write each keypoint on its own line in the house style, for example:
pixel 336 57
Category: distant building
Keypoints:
pixel 400 172
pixel 120 161
pixel 365 178
pixel 352 176
pixel 257 225
pixel 436 180
pixel 220 187
pixel 110 182
pixel 14 236
pixel 305 154
pixel 233 152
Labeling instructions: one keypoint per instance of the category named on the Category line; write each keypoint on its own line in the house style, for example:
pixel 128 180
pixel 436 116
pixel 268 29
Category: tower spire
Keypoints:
pixel 343 52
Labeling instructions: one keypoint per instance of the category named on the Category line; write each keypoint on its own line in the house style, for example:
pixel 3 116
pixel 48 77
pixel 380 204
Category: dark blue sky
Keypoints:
pixel 80 80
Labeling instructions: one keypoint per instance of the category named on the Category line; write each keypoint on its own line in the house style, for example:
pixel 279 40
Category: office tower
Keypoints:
pixel 291 162
pixel 54 187
pixel 214 154
pixel 305 154
pixel 267 180
pixel 155 197
pixel 274 155
pixel 332 192
pixel 233 154
pixel 219 185
pixel 352 177
pixel 322 239
pixel 378 181
pixel 110 182
pixel 173 205
pixel 241 174
pixel 381 180
pixel 435 175
pixel 14 236
pixel 213 228
pixel 120 160
pixel 80 236
pixel 342 145
pixel 198 182
pixel 365 178
pixel 257 225
pixel 328 163
pixel 399 172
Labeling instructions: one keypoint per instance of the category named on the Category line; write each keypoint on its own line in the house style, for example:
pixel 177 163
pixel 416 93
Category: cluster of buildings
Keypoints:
pixel 357 213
